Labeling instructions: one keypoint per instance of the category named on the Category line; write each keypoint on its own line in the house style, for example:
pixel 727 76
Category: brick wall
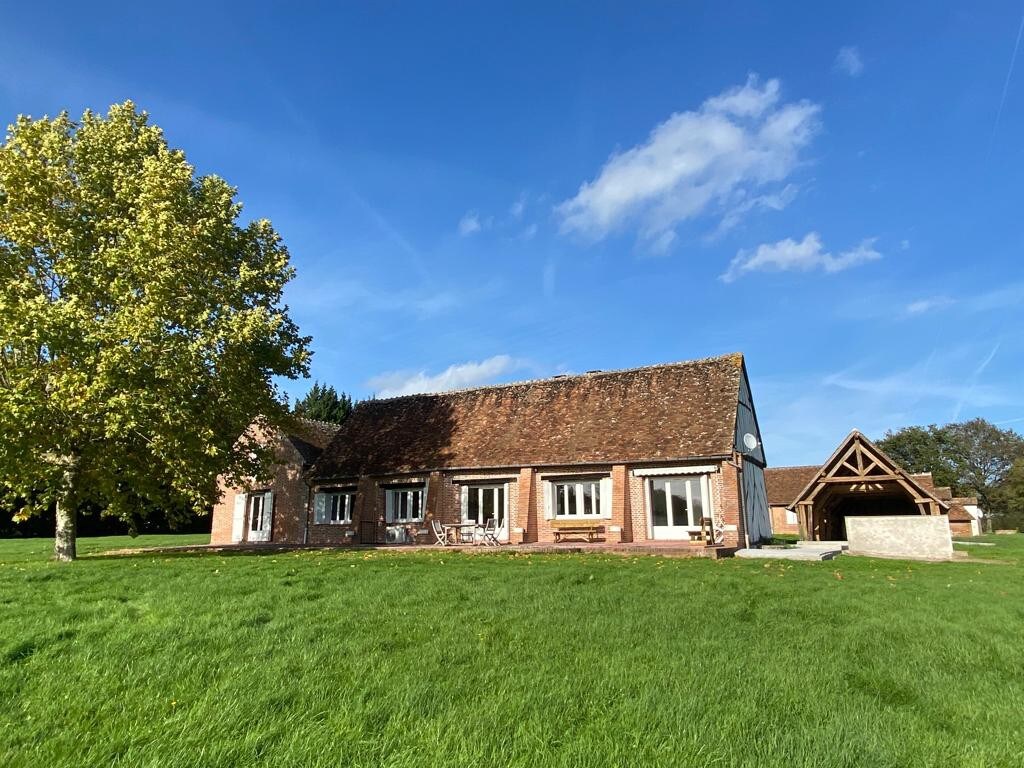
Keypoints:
pixel 779 524
pixel 544 530
pixel 729 504
pixel 960 529
pixel 290 501
pixel 294 514
pixel 724 499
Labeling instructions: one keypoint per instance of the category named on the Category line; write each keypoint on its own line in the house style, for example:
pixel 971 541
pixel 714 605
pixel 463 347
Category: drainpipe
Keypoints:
pixel 743 502
pixel 305 516
pixel 737 461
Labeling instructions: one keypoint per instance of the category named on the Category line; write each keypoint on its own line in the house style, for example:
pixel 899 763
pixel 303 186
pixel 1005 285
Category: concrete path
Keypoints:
pixel 790 553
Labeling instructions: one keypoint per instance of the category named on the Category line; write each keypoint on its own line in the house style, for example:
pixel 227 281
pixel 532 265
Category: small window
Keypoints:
pixel 405 505
pixel 334 507
pixel 577 499
pixel 791 517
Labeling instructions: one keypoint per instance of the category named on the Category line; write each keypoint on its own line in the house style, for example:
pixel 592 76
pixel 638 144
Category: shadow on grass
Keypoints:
pixel 264 551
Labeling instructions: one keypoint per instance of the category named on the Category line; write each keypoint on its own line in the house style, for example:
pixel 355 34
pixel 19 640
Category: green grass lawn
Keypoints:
pixel 325 658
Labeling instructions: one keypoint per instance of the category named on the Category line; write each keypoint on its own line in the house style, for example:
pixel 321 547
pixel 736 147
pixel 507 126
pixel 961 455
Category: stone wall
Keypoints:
pixel 913 537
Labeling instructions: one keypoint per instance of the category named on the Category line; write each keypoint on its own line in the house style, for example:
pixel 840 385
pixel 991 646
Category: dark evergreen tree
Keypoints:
pixel 323 403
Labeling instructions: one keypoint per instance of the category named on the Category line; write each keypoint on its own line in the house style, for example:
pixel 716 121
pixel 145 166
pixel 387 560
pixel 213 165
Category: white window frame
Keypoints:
pixel 334 507
pixel 791 518
pixel 392 503
pixel 254 500
pixel 478 487
pixel 705 484
pixel 265 501
pixel 562 486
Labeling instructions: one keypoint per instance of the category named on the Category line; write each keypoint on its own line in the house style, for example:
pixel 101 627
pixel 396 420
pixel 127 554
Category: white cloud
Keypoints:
pixel 663 242
pixel 773 202
pixel 701 162
pixel 848 61
pixel 921 306
pixel 787 255
pixel 471 223
pixel 517 208
pixel 459 376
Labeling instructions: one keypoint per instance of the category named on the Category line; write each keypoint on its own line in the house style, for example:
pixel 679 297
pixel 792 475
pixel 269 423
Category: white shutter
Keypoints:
pixel 268 516
pixel 423 501
pixel 549 509
pixel 320 508
pixel 464 501
pixel 238 517
pixel 389 506
pixel 606 498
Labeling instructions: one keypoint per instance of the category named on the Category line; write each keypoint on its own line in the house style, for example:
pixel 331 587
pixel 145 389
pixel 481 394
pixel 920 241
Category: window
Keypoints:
pixel 405 505
pixel 791 518
pixel 257 504
pixel 678 501
pixel 579 498
pixel 334 506
pixel 482 503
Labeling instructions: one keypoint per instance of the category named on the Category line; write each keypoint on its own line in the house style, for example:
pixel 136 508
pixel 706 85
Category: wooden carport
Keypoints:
pixel 859 479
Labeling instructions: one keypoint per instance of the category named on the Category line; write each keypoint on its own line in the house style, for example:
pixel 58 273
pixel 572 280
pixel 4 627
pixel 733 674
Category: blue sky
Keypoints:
pixel 475 193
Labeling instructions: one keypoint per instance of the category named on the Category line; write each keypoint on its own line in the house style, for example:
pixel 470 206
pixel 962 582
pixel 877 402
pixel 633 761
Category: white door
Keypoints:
pixel 677 505
pixel 261 509
pixel 481 503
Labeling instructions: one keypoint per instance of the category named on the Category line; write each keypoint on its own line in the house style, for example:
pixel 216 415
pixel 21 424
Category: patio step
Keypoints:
pixel 794 553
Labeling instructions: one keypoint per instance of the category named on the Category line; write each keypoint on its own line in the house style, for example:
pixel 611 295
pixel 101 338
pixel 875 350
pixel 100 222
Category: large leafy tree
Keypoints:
pixel 1008 497
pixel 982 455
pixel 323 403
pixel 141 323
pixel 921 449
pixel 973 457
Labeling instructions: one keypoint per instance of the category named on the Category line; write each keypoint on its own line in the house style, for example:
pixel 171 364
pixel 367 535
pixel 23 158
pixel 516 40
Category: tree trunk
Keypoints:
pixel 65 542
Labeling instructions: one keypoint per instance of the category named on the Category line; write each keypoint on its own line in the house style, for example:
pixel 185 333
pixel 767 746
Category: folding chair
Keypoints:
pixel 440 533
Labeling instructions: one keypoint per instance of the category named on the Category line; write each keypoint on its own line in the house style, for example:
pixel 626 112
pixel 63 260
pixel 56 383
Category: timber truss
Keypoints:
pixel 858 469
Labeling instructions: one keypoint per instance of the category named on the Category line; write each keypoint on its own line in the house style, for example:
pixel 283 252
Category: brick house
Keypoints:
pixel 273 510
pixel 631 456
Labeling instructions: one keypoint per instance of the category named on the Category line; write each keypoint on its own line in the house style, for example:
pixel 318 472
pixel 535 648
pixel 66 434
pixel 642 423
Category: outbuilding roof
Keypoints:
pixel 661 412
pixel 785 483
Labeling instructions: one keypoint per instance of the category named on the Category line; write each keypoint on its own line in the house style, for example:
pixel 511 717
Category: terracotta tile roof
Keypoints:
pixel 310 437
pixel 670 411
pixel 784 483
pixel 957 509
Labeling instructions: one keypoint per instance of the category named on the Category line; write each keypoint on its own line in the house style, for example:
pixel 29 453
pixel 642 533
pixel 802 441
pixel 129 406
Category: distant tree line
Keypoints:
pixel 322 403
pixel 974 458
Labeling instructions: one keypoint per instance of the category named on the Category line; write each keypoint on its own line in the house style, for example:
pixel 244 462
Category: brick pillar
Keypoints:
pixel 620 504
pixel 732 507
pixel 526 514
pixel 435 496
pixel 366 509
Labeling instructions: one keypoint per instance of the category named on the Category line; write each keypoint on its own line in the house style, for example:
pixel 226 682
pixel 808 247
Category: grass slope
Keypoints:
pixel 325 658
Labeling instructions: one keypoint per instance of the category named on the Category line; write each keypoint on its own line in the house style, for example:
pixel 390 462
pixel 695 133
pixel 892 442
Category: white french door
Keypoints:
pixel 481 503
pixel 260 514
pixel 677 505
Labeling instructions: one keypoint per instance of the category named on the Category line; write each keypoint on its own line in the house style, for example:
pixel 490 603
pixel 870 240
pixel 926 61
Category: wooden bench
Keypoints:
pixel 591 532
